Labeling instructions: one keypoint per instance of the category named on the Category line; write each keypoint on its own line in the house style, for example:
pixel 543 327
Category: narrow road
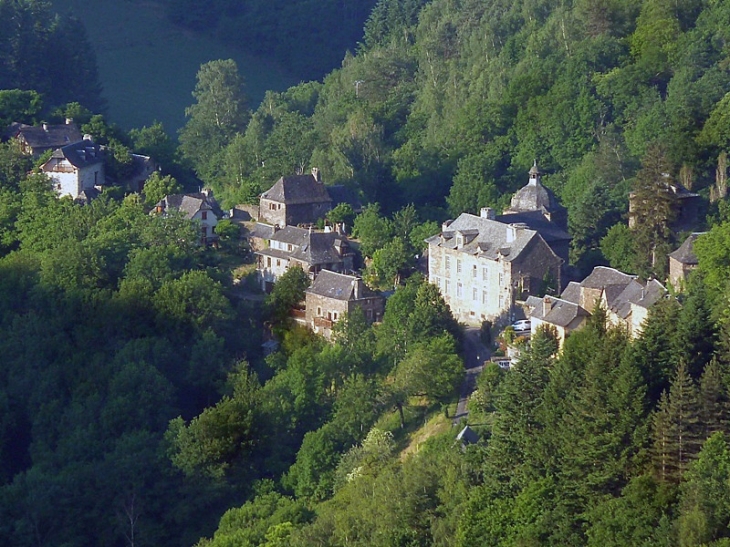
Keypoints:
pixel 475 353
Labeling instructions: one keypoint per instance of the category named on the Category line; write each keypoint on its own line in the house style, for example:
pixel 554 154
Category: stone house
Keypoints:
pixel 35 140
pixel 301 200
pixel 683 261
pixel 482 266
pixel 685 206
pixel 296 199
pixel 77 170
pixel 311 250
pixel 200 207
pixel 625 298
pixel 332 295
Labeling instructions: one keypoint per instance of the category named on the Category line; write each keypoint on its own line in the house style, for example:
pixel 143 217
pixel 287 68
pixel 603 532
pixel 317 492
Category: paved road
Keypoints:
pixel 475 353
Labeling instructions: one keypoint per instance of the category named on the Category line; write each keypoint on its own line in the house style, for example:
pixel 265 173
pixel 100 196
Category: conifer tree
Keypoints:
pixel 714 403
pixel 677 428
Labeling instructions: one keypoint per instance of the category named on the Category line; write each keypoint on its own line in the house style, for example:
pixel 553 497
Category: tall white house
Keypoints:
pixel 482 266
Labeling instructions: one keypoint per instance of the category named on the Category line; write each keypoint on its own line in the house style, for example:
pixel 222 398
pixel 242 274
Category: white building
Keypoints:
pixel 482 266
pixel 76 169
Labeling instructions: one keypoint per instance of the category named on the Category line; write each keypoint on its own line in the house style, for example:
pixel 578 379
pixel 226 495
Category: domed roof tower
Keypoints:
pixel 535 197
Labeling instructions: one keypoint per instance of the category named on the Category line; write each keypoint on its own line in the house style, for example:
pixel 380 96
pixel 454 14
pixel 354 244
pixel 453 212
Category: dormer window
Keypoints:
pixel 204 215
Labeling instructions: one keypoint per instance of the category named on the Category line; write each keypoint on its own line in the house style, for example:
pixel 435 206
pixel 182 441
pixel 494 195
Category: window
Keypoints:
pixel 474 294
pixel 484 297
pixel 319 311
pixel 458 266
pixel 204 230
pixel 459 290
pixel 501 279
pixel 370 315
pixel 334 316
pixel 278 262
pixel 484 273
pixel 474 271
pixel 268 262
pixel 447 262
pixel 289 247
pixel 447 287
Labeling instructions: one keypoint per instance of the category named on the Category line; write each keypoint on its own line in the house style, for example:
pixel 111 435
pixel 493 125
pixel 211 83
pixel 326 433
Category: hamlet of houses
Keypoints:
pixel 488 267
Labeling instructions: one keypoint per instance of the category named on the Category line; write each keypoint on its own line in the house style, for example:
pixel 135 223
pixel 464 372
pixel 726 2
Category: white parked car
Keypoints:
pixel 522 325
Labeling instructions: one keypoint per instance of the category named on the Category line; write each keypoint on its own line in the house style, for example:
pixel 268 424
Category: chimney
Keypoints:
pixel 488 213
pixel 511 233
pixel 88 137
pixel 316 174
pixel 547 305
pixel 357 288
pixel 328 229
pixel 445 225
pixel 69 121
pixel 45 126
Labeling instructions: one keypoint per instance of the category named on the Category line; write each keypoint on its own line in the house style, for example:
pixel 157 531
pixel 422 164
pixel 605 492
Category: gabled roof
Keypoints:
pixel 262 230
pixel 561 313
pixel 189 204
pixel 335 285
pixel 685 254
pixel 80 154
pixel 494 239
pixel 297 189
pixel 603 276
pixel 571 293
pixel 48 135
pixel 310 247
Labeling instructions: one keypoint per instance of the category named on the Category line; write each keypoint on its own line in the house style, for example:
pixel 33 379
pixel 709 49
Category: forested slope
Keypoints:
pixel 135 404
pixel 448 103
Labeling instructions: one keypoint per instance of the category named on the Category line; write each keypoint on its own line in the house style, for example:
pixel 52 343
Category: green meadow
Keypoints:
pixel 147 66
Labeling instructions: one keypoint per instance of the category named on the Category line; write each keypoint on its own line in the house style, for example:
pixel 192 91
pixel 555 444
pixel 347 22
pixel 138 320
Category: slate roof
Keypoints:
pixel 297 189
pixel 534 196
pixel 603 276
pixel 190 204
pixel 485 238
pixel 335 285
pixel 535 220
pixel 653 292
pixel 685 254
pixel 52 136
pixel 571 293
pixel 310 247
pixel 262 230
pixel 80 154
pixel 562 313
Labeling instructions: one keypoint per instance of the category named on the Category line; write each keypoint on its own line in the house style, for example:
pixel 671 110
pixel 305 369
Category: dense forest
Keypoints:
pixel 137 406
pixel 324 29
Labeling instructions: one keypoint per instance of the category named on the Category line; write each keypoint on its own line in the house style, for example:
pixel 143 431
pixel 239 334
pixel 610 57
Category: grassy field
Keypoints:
pixel 147 66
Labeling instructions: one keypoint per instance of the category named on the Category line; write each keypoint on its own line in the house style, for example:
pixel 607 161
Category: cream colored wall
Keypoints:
pixel 465 308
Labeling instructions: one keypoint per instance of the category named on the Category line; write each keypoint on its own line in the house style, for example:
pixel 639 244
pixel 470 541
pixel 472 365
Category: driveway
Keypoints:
pixel 475 353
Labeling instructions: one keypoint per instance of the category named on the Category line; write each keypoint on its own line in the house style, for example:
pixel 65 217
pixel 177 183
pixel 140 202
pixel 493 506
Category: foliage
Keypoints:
pixel 287 293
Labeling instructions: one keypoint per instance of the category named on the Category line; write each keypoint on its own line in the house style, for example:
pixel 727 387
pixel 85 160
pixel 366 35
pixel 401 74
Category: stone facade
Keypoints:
pixel 332 295
pixel 311 250
pixel 294 200
pixel 683 261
